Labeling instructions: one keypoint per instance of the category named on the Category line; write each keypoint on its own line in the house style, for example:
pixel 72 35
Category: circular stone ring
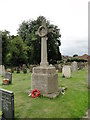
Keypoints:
pixel 42 31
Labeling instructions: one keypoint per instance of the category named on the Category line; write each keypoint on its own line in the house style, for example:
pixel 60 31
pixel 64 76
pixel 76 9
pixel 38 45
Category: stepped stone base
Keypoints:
pixel 45 79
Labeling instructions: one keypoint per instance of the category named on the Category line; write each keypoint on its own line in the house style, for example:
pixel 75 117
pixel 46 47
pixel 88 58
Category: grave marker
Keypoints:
pixel 8 75
pixel 44 77
pixel 7 101
pixel 2 70
pixel 18 70
pixel 66 71
pixel 74 66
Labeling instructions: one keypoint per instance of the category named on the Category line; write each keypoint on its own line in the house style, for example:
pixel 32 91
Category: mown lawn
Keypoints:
pixel 73 104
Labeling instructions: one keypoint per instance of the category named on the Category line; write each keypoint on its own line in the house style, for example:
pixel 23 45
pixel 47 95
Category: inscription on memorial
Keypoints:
pixel 7 101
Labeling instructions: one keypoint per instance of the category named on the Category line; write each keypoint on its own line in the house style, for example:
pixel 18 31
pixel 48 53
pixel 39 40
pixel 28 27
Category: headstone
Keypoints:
pixel 31 68
pixel 74 66
pixel 18 70
pixel 23 66
pixel 44 77
pixel 25 71
pixel 8 75
pixel 7 104
pixel 56 66
pixel 60 69
pixel 2 70
pixel 81 65
pixel 66 71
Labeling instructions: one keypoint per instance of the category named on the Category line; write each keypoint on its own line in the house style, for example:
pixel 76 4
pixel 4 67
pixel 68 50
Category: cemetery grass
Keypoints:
pixel 73 104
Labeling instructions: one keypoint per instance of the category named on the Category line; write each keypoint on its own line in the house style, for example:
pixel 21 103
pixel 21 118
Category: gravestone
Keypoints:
pixel 60 69
pixel 25 71
pixel 2 70
pixel 74 66
pixel 30 68
pixel 66 71
pixel 81 65
pixel 8 75
pixel 23 66
pixel 18 70
pixel 44 77
pixel 7 104
pixel 56 66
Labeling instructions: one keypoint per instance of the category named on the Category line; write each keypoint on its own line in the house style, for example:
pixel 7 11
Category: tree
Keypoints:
pixel 27 32
pixel 5 45
pixel 75 55
pixel 18 52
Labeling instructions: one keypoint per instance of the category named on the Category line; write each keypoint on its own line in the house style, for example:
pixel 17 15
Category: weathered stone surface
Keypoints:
pixel 52 95
pixel 60 69
pixel 44 70
pixel 44 79
pixel 81 65
pixel 56 66
pixel 74 66
pixel 7 104
pixel 8 75
pixel 42 32
pixel 66 71
pixel 18 70
pixel 2 70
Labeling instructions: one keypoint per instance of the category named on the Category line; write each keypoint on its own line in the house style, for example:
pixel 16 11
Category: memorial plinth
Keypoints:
pixel 44 77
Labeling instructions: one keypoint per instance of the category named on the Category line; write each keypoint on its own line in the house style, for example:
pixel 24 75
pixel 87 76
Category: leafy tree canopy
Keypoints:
pixel 27 32
pixel 5 45
pixel 75 55
pixel 18 52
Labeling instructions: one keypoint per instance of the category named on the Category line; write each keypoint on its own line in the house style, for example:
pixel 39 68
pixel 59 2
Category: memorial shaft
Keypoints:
pixel 44 51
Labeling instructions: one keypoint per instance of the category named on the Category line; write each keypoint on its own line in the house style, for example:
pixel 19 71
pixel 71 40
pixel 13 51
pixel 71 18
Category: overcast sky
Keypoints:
pixel 71 17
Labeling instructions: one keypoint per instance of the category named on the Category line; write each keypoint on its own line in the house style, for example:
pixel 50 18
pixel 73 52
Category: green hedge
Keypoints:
pixel 76 59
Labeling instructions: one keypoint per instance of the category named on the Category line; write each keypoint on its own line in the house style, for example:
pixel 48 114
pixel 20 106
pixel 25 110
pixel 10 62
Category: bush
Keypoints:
pixel 76 59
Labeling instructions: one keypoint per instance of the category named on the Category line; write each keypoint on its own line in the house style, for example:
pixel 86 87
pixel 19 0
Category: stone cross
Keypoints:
pixel 42 32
